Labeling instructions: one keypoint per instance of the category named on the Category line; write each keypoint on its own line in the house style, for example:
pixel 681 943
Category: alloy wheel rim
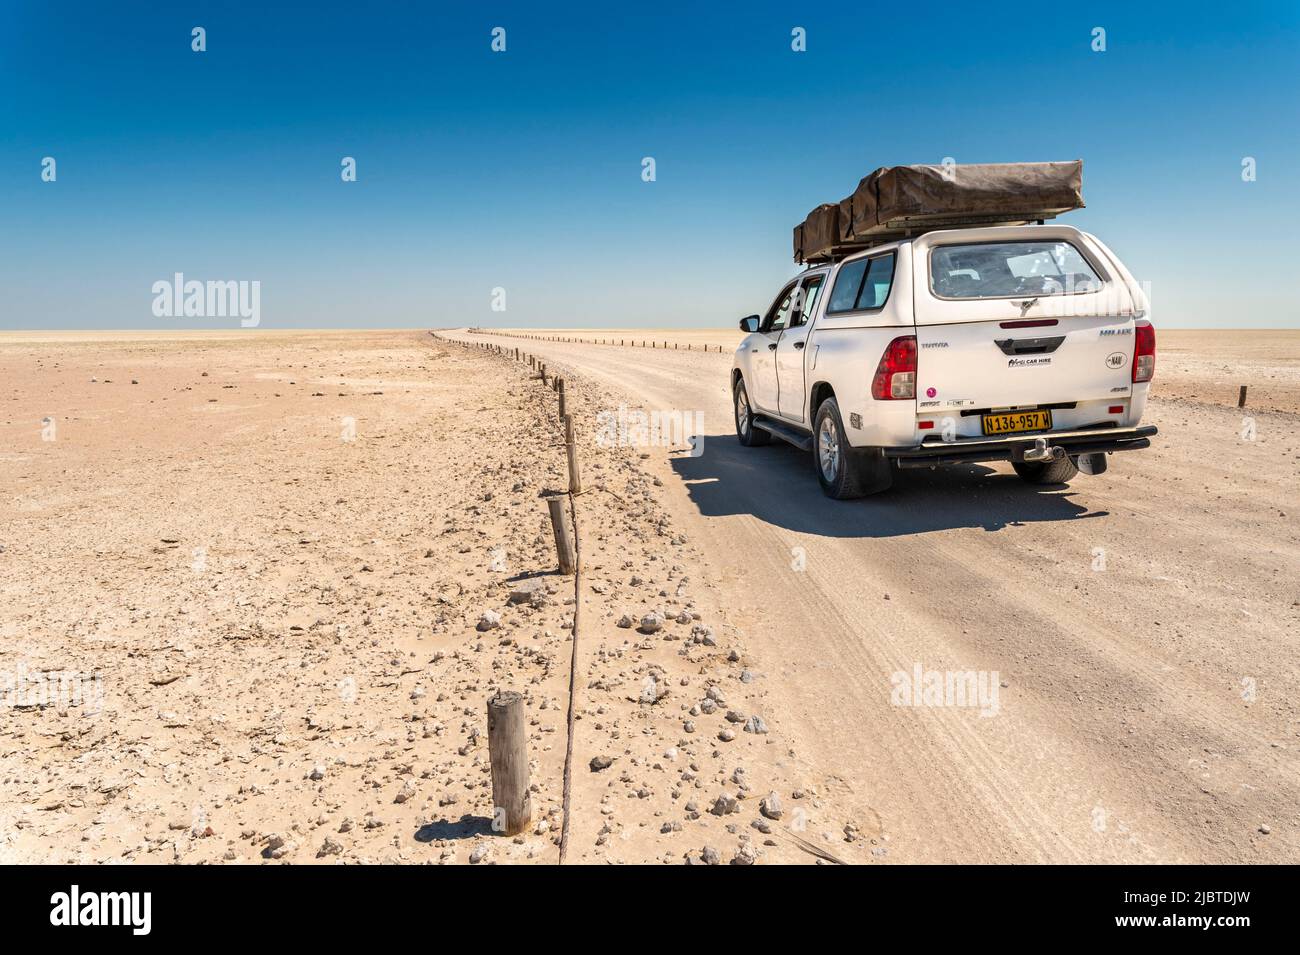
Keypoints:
pixel 742 412
pixel 828 448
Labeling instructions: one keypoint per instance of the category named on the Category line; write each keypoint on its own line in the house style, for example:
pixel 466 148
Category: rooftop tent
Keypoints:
pixel 821 230
pixel 895 202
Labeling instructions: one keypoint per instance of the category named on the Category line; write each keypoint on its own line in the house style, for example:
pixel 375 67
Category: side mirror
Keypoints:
pixel 750 323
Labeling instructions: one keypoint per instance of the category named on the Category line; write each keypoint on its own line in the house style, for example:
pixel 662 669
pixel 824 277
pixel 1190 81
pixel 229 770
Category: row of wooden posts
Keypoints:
pixel 507 718
pixel 644 343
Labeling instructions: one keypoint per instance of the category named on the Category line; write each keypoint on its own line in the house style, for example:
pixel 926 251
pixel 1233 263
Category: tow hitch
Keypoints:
pixel 1041 452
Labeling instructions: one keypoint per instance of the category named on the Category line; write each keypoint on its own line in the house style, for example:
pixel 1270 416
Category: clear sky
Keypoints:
pixel 522 169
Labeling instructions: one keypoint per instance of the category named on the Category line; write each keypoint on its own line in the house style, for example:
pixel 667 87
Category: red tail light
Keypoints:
pixel 896 373
pixel 1144 352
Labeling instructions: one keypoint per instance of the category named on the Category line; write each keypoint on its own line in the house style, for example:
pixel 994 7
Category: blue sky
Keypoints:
pixel 522 169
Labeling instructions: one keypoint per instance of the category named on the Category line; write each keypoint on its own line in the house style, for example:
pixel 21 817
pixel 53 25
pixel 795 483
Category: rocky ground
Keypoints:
pixel 280 575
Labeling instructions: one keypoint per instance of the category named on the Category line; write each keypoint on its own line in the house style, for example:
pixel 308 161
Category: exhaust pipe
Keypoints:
pixel 1041 452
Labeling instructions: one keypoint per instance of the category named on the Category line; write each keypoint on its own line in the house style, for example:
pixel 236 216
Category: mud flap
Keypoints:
pixel 874 471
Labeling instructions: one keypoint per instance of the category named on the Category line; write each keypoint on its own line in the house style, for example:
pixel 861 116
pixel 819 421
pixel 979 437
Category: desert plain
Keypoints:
pixel 256 588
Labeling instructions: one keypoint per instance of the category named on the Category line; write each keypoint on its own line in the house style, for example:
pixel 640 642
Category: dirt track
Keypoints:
pixel 1146 711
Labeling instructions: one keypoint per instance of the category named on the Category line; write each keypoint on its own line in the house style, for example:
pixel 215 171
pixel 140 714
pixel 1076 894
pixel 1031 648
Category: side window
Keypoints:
pixel 806 299
pixel 780 312
pixel 863 285
pixel 880 276
pixel 847 284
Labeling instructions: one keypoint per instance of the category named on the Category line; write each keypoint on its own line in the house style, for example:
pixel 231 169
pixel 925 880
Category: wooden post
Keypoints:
pixel 1241 397
pixel 559 382
pixel 512 807
pixel 575 478
pixel 563 534
pixel 542 369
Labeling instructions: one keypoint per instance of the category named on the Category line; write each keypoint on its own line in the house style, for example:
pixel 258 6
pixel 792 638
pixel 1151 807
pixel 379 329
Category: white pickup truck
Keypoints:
pixel 1024 343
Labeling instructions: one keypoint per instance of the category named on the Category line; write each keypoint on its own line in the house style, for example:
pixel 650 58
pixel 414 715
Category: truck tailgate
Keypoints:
pixel 988 365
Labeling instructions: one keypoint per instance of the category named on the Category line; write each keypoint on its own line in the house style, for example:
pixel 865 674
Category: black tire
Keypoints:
pixel 743 412
pixel 843 471
pixel 1047 472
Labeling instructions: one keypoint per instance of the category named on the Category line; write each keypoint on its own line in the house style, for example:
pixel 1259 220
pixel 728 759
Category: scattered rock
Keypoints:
pixel 770 806
pixel 725 805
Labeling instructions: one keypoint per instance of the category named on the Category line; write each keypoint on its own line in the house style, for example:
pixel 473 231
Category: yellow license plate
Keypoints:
pixel 1015 421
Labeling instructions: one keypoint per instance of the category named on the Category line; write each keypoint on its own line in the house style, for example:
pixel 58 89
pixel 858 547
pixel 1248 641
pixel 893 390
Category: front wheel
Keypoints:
pixel 843 471
pixel 1046 472
pixel 746 433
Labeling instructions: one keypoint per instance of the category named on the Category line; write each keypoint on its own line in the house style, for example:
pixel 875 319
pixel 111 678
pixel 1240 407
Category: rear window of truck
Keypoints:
pixel 1006 269
pixel 862 285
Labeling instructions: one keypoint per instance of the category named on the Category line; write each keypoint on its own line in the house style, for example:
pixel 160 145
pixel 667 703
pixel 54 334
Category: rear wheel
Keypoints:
pixel 1047 472
pixel 844 471
pixel 746 433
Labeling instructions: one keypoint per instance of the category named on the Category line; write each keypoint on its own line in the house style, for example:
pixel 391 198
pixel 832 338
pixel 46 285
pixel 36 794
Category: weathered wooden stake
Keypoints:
pixel 563 534
pixel 571 446
pixel 512 810
pixel 1241 397
pixel 559 387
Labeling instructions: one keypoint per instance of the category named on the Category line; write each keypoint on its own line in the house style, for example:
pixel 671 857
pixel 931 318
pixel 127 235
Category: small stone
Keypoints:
pixel 652 622
pixel 727 734
pixel 317 773
pixel 711 856
pixel 523 591
pixel 600 762
pixel 755 724
pixel 725 805
pixel 330 847
pixel 745 855
pixel 489 620
pixel 770 806
pixel 626 622
pixel 480 853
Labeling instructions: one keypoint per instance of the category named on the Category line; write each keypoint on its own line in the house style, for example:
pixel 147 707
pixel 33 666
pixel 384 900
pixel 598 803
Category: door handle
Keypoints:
pixel 1029 346
pixel 798 344
pixel 772 347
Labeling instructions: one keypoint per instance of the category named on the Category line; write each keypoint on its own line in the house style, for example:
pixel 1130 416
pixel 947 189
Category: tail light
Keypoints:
pixel 1144 352
pixel 896 373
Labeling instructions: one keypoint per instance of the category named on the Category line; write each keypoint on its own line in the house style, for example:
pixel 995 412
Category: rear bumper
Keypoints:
pixel 1013 447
